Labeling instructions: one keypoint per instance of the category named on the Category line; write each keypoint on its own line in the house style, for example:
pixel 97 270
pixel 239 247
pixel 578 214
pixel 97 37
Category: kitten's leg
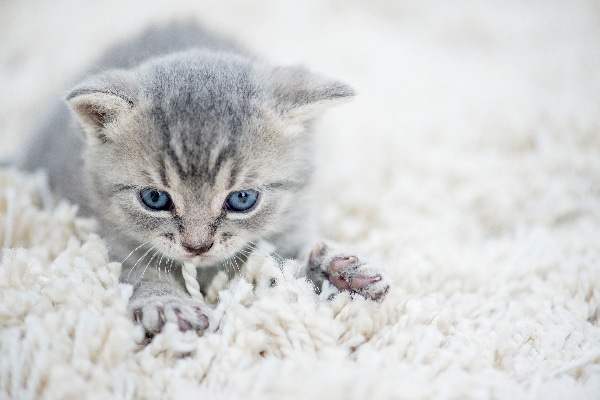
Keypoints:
pixel 346 271
pixel 157 301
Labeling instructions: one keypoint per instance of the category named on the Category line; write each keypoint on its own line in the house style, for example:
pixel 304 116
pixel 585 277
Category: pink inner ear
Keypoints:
pixel 95 108
pixel 95 115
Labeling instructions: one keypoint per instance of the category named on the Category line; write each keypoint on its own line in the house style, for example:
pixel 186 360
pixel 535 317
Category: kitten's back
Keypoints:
pixel 162 40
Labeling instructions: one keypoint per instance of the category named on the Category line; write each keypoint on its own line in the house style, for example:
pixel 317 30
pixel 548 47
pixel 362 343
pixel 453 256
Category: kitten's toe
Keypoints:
pixel 191 319
pixel 350 273
pixel 153 313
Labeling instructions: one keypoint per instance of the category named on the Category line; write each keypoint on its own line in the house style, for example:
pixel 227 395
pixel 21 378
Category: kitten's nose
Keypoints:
pixel 198 250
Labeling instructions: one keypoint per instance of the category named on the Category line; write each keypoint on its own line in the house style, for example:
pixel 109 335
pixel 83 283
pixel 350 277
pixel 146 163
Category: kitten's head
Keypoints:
pixel 200 153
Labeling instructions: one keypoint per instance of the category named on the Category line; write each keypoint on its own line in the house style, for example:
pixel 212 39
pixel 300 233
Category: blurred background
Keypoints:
pixel 419 66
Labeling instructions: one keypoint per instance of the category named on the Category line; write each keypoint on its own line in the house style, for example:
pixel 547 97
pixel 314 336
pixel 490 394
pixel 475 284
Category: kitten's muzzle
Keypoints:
pixel 197 250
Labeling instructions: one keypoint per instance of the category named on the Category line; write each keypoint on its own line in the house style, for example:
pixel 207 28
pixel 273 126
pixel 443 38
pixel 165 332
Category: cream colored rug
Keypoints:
pixel 468 167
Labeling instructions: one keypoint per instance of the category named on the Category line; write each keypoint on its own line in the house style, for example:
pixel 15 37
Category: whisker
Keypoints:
pixel 146 267
pixel 169 266
pixel 235 260
pixel 261 251
pixel 225 266
pixel 134 250
pixel 258 249
pixel 135 266
pixel 235 265
pixel 231 266
pixel 160 260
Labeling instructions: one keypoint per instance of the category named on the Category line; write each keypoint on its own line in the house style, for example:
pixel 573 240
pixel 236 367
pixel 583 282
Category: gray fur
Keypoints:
pixel 185 112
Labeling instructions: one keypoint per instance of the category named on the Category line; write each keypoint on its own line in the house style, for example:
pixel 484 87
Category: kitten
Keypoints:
pixel 187 149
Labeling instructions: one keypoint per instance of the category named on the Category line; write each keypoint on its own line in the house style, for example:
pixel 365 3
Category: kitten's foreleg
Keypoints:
pixel 158 301
pixel 346 270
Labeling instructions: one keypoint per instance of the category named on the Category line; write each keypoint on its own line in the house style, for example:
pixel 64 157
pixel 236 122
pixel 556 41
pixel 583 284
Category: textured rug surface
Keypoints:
pixel 468 167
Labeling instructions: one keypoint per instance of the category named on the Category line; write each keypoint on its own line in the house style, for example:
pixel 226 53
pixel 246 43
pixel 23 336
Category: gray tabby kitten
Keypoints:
pixel 186 149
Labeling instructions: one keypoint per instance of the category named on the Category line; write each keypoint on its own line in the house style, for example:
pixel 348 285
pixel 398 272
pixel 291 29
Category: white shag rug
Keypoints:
pixel 468 167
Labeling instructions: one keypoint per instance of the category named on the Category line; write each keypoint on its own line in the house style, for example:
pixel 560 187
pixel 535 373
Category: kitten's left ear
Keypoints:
pixel 96 104
pixel 303 95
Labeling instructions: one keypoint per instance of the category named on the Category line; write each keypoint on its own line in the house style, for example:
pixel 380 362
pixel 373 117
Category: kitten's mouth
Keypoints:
pixel 201 260
pixel 197 258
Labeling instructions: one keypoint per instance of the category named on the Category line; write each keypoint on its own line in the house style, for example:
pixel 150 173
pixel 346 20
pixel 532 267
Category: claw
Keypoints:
pixel 202 319
pixel 183 325
pixel 360 282
pixel 378 296
pixel 161 318
pixel 138 315
pixel 203 322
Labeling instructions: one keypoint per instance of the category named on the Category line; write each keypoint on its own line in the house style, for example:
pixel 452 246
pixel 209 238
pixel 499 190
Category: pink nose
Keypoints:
pixel 198 250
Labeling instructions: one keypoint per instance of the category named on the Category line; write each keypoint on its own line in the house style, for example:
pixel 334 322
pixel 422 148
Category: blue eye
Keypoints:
pixel 156 199
pixel 242 200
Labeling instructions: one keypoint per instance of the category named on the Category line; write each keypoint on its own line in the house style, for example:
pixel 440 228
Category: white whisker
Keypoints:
pixel 257 248
pixel 231 266
pixel 146 267
pixel 160 260
pixel 134 250
pixel 235 260
pixel 135 266
pixel 169 266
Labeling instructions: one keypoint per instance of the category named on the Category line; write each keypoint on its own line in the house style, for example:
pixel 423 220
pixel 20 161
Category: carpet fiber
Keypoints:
pixel 468 168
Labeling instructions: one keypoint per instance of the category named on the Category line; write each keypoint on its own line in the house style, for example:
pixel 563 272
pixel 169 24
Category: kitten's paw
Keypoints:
pixel 154 312
pixel 348 272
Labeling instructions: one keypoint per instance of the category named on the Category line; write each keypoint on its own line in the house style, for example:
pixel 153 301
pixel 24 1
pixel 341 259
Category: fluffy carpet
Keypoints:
pixel 468 167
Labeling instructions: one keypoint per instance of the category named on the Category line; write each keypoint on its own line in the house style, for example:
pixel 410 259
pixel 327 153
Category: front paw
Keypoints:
pixel 154 312
pixel 348 272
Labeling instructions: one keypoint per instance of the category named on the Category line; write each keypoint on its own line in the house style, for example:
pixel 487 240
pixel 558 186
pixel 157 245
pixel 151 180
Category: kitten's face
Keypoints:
pixel 200 201
pixel 198 155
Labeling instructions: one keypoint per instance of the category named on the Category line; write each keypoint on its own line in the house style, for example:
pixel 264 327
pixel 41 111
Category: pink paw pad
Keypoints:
pixel 345 276
pixel 349 273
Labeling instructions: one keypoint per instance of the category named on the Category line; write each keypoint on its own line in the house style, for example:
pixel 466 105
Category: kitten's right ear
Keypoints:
pixel 301 95
pixel 96 108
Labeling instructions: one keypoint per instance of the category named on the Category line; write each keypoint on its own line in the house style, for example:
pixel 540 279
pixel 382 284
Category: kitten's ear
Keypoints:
pixel 96 107
pixel 302 95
